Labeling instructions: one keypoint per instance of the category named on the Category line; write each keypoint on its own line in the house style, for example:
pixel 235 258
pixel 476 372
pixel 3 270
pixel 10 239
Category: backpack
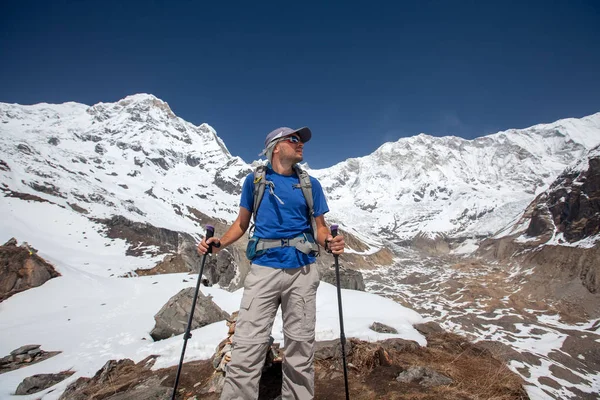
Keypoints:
pixel 260 185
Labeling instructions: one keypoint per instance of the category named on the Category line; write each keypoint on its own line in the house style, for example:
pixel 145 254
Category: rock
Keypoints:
pixel 24 356
pixel 428 328
pixel 25 349
pixel 11 242
pixel 215 384
pixel 222 268
pixel 173 316
pixel 424 376
pixel 22 269
pixel 330 349
pixel 36 383
pixel 120 380
pixel 349 278
pixel 373 369
pixel 141 237
pixel 400 345
pixel 150 389
pixel 382 328
pixel 435 244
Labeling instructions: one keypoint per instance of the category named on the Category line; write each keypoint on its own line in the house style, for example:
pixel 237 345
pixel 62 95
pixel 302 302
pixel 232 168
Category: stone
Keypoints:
pixel 25 349
pixel 172 318
pixel 349 278
pixel 11 242
pixel 215 384
pixel 401 345
pixel 150 389
pixel 21 269
pixel 428 328
pixel 382 328
pixel 424 376
pixel 329 349
pixel 37 383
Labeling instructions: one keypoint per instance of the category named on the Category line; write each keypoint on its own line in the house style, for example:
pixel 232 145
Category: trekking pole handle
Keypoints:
pixel 210 232
pixel 334 230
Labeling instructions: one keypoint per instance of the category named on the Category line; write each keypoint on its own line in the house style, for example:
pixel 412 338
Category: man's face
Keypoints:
pixel 290 148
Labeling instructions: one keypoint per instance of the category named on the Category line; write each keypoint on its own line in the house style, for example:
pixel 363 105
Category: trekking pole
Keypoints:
pixel 334 232
pixel 210 231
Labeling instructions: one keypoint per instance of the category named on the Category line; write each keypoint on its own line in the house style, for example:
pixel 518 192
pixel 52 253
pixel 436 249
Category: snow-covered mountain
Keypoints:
pixel 136 158
pixel 133 158
pixel 453 186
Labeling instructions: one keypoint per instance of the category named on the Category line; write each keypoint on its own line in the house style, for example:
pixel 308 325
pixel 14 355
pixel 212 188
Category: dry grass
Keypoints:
pixel 475 372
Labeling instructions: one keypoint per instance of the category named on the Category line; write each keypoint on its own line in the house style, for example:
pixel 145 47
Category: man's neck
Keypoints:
pixel 282 168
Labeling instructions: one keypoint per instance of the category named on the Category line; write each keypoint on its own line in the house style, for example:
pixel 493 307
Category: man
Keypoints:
pixel 281 273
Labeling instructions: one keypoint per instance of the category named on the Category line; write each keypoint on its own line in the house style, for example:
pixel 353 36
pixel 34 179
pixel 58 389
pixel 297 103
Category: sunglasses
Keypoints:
pixel 291 139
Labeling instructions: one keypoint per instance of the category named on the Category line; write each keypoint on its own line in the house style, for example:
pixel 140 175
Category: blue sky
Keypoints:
pixel 358 75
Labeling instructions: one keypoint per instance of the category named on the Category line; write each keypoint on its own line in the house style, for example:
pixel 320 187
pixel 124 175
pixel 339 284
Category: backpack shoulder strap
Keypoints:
pixel 259 189
pixel 306 187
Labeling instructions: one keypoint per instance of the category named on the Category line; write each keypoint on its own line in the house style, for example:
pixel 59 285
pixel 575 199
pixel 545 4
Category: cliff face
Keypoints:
pixel 571 206
pixel 558 236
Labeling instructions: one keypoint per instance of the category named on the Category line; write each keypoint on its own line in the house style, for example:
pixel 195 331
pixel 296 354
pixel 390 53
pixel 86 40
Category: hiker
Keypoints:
pixel 283 250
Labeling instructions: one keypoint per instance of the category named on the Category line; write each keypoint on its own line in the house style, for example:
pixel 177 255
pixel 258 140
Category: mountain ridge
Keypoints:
pixel 422 185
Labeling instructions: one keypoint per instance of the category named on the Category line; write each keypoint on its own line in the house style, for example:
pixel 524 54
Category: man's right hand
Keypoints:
pixel 203 245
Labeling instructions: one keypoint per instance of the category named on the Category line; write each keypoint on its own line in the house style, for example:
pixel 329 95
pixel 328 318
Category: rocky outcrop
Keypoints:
pixel 432 244
pixel 229 267
pixel 24 356
pixel 120 380
pixel 173 316
pixel 349 279
pixel 423 376
pixel 21 269
pixel 382 328
pixel 559 236
pixel 141 237
pixel 39 382
pixel 394 368
pixel 573 200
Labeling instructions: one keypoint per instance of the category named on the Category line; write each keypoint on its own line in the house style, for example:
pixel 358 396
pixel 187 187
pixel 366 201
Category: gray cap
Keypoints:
pixel 304 134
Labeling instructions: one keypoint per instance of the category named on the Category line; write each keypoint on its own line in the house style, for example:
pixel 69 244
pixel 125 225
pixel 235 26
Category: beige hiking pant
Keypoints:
pixel 265 289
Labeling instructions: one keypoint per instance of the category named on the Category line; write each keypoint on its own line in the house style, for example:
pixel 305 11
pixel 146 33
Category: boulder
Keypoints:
pixel 428 328
pixel 382 328
pixel 331 349
pixel 173 316
pixel 21 269
pixel 424 376
pixel 349 278
pixel 37 383
pixel 24 356
pixel 121 380
pixel 26 349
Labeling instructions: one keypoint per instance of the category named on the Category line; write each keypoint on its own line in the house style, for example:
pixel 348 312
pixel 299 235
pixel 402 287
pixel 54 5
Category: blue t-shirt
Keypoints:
pixel 283 221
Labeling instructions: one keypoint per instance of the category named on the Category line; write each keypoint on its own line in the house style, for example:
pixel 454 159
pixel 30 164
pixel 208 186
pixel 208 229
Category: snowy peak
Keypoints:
pixel 138 108
pixel 125 154
pixel 128 158
pixel 452 185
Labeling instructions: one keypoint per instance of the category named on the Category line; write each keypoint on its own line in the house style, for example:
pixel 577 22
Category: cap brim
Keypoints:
pixel 304 133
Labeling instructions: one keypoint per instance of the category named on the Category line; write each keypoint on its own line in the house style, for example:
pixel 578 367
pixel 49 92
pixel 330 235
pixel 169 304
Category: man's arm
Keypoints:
pixel 335 244
pixel 237 229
